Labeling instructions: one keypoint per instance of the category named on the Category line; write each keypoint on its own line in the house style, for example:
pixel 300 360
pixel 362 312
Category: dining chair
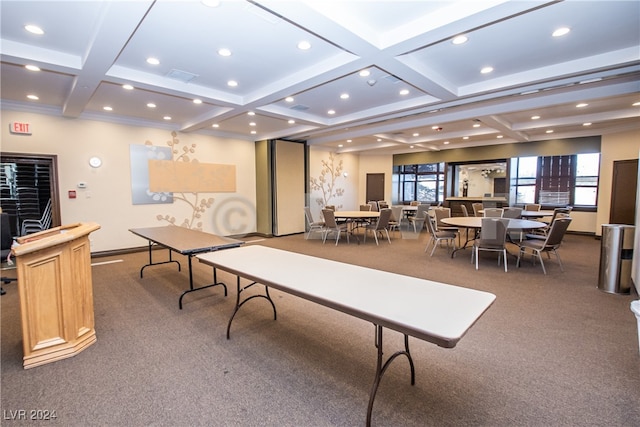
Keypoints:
pixel 532 207
pixel 550 244
pixel 374 206
pixel 395 222
pixel 417 220
pixel 465 211
pixel 383 204
pixel 380 226
pixel 438 236
pixel 365 208
pixel 477 207
pixel 312 226
pixel 492 238
pixel 512 212
pixel 441 213
pixel 541 233
pixel 331 226
pixel 493 212
pixel 34 225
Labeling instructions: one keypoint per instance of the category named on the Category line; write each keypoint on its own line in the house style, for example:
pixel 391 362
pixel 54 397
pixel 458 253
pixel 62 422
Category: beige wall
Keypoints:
pixel 107 198
pixel 619 146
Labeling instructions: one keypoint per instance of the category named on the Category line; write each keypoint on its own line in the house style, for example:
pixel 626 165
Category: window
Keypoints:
pixel 424 183
pixel 556 180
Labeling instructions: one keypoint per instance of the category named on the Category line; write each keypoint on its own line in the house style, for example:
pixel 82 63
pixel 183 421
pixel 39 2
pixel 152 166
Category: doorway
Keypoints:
pixel 28 183
pixel 375 187
pixel 623 193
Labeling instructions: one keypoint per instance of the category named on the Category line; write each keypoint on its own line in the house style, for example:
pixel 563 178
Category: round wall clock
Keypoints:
pixel 95 162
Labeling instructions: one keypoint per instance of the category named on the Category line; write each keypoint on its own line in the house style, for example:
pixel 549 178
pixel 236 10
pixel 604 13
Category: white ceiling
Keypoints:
pixel 91 48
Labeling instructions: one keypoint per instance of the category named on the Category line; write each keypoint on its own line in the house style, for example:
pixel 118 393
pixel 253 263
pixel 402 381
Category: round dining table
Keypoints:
pixel 475 222
pixel 536 214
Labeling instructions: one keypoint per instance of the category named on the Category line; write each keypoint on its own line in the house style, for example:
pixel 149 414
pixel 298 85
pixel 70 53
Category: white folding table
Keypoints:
pixel 435 312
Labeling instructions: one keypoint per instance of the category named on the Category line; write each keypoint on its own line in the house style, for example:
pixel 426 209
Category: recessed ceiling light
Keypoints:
pixel 416 134
pixel 289 99
pixel 32 67
pixel 252 124
pixel 465 137
pixel 586 124
pixel 251 113
pixel 582 105
pixel 535 117
pixel 340 145
pixel 33 97
pixel 304 45
pixel 215 125
pixel 107 108
pixel 232 83
pixel 549 131
pixel 153 61
pixel 167 117
pixel 344 96
pixel 253 132
pixel 446 142
pixel 364 73
pixel 197 101
pixel 127 87
pixel 486 70
pixel 459 39
pixel 476 125
pixel 291 122
pixel 224 52
pixel 636 104
pixel 349 140
pixel 404 92
pixel 151 105
pixel 411 146
pixel 499 137
pixel 34 29
pixel 331 112
pixel 561 32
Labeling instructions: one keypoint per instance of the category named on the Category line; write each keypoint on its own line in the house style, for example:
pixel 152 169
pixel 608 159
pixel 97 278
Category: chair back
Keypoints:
pixel 493 212
pixel 374 206
pixel 329 218
pixel 383 220
pixel 421 212
pixel 431 225
pixel 414 203
pixel 512 212
pixel 330 207
pixel 493 232
pixel 365 208
pixel 465 212
pixel 556 233
pixel 560 213
pixel 382 204
pixel 442 213
pixel 532 207
pixel 477 207
pixel 5 235
pixel 308 215
pixel 396 214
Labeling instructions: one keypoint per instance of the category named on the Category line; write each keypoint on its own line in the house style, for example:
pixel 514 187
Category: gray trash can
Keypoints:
pixel 616 255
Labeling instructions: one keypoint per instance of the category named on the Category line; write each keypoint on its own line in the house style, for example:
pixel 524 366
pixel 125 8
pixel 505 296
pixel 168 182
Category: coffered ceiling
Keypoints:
pixel 422 91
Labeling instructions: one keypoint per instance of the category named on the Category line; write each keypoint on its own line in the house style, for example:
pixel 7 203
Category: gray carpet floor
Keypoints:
pixel 553 350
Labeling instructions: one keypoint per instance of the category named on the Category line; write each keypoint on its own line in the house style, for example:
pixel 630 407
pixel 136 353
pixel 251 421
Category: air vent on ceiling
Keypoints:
pixel 300 107
pixel 183 76
pixel 392 78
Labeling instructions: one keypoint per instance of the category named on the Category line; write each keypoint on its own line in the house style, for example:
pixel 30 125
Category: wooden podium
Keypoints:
pixel 56 293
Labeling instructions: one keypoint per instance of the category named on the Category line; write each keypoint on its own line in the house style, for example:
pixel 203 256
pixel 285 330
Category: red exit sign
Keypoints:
pixel 21 128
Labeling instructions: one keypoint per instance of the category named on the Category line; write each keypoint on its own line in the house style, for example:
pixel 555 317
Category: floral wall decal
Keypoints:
pixel 326 184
